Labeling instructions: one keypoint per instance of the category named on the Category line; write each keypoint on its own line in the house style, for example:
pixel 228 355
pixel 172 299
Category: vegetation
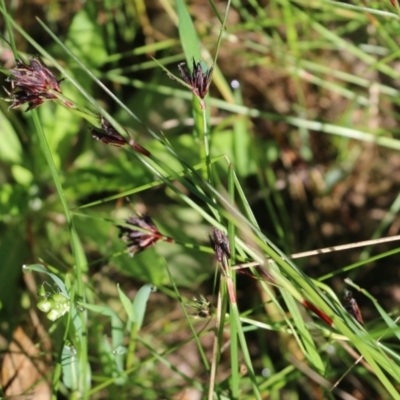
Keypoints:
pixel 170 174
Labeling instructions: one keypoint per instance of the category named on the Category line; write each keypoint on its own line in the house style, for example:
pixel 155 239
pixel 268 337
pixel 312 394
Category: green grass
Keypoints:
pixel 299 153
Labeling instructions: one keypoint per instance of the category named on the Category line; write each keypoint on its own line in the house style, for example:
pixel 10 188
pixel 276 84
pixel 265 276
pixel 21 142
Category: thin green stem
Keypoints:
pixel 80 267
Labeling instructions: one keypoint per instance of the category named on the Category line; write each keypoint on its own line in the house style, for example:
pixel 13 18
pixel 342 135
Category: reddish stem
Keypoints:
pixel 231 290
pixel 140 149
pixel 318 312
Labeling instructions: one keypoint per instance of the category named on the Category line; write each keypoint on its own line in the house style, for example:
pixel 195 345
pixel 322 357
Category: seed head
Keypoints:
pixel 142 235
pixel 220 244
pixel 198 80
pixel 32 83
pixel 351 306
pixel 110 136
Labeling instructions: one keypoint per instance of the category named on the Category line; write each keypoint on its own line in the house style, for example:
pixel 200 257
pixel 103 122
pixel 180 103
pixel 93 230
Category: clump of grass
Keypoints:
pixel 297 113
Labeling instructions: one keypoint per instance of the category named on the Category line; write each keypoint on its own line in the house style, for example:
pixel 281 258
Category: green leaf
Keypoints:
pixel 98 309
pixel 85 40
pixel 42 269
pixel 70 367
pixel 117 333
pixel 22 175
pixel 148 266
pixel 127 304
pixel 63 125
pixel 120 350
pixel 140 303
pixel 187 34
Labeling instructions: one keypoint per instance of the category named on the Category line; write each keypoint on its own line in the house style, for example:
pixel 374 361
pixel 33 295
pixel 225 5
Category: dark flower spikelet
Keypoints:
pixel 109 135
pixel 198 80
pixel 142 235
pixel 32 83
pixel 351 307
pixel 220 244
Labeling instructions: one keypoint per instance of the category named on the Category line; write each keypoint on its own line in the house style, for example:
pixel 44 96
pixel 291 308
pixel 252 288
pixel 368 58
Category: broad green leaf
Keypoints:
pixel 117 331
pixel 140 303
pixel 120 350
pixel 127 304
pixel 70 367
pixel 98 309
pixel 61 126
pixel 22 175
pixel 187 34
pixel 117 334
pixel 85 40
pixel 148 266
